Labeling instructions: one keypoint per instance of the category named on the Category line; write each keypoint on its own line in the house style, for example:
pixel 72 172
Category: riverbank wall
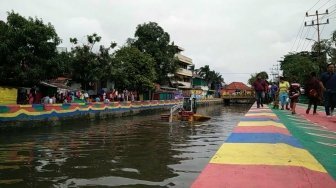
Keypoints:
pixel 12 114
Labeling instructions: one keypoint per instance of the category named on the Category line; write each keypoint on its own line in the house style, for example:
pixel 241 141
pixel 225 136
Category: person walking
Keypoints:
pixel 294 94
pixel 313 92
pixel 328 84
pixel 273 91
pixel 283 92
pixel 260 87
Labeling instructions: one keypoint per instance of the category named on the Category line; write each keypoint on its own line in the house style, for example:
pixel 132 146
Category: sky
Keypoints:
pixel 234 37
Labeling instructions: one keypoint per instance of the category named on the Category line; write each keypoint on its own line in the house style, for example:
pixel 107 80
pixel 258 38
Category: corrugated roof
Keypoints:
pixel 237 85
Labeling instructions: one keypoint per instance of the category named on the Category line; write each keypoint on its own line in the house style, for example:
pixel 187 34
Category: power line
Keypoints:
pixel 314 5
pixel 304 41
pixel 301 28
pixel 322 29
pixel 324 4
pixel 310 41
pixel 334 5
pixel 300 39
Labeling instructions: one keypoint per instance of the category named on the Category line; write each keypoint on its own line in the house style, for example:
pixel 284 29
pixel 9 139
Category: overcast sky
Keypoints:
pixel 233 37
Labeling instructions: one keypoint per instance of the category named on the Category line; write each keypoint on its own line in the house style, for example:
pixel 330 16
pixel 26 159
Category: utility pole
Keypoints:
pixel 318 33
pixel 275 72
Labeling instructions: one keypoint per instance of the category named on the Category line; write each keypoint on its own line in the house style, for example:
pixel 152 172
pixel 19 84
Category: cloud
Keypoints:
pixel 237 37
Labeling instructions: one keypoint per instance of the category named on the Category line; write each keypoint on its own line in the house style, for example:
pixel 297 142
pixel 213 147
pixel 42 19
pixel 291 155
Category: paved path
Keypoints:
pixel 261 152
pixel 317 133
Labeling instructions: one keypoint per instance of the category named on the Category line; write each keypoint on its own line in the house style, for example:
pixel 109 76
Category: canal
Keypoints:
pixel 137 151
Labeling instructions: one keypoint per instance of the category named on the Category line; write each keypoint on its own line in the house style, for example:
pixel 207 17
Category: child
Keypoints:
pixel 276 101
pixel 294 93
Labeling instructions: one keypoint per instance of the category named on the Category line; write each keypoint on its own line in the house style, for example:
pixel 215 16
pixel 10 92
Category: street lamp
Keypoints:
pixel 311 39
pixel 319 53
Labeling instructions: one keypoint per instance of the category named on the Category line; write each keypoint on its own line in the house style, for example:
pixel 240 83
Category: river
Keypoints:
pixel 137 151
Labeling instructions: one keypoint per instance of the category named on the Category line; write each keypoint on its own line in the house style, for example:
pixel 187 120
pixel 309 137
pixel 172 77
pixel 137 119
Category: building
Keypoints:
pixel 236 88
pixel 200 86
pixel 183 76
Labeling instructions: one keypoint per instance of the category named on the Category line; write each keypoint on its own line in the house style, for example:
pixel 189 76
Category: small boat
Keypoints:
pixel 200 117
pixel 185 112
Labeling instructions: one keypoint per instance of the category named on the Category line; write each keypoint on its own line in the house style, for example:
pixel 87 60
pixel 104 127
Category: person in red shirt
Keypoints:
pixel 313 91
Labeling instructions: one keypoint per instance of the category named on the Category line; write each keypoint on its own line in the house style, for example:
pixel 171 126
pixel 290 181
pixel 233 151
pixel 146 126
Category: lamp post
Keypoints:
pixel 319 59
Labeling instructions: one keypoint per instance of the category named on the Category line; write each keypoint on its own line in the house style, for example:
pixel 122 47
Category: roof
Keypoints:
pixel 237 85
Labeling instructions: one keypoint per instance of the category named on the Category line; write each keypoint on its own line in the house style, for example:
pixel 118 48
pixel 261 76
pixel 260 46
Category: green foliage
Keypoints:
pixel 150 38
pixel 210 76
pixel 326 48
pixel 297 66
pixel 135 70
pixel 88 66
pixel 253 78
pixel 60 65
pixel 26 50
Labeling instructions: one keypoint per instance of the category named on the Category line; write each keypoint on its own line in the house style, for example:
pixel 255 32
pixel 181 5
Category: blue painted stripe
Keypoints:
pixel 272 138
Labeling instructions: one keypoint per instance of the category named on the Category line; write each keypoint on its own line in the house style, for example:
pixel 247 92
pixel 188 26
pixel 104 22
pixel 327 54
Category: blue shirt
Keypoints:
pixel 331 83
pixel 274 89
pixel 329 80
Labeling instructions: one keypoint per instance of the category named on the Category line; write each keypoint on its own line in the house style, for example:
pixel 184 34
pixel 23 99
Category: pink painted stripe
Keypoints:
pixel 261 176
pixel 261 129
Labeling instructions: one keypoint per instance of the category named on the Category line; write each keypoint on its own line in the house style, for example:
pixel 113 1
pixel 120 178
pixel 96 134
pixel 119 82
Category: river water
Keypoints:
pixel 138 151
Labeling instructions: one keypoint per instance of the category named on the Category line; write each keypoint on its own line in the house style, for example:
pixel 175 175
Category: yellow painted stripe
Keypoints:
pixel 23 111
pixel 261 123
pixel 266 154
pixel 260 114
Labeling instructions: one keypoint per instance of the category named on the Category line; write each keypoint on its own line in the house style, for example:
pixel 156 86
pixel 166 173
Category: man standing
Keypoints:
pixel 260 87
pixel 328 85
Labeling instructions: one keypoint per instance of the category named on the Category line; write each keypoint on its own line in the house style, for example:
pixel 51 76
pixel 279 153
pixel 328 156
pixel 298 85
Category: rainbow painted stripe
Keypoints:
pixel 12 113
pixel 262 153
pixel 43 112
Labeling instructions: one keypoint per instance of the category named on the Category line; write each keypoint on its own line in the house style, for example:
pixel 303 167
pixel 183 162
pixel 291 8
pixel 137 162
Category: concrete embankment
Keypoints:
pixel 11 115
pixel 262 152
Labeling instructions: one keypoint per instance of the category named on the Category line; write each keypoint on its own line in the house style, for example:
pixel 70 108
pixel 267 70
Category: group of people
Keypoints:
pixel 317 90
pixel 35 96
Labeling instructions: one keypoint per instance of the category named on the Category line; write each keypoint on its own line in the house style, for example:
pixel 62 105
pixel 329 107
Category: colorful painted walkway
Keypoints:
pixel 261 152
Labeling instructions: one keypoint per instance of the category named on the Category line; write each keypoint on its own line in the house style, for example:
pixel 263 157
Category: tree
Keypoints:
pixel 253 78
pixel 150 38
pixel 26 50
pixel 204 72
pixel 88 66
pixel 297 66
pixel 211 77
pixel 323 50
pixel 60 65
pixel 135 70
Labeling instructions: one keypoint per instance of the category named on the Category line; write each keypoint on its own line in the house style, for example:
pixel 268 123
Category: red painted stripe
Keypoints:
pixel 261 176
pixel 320 119
pixel 260 129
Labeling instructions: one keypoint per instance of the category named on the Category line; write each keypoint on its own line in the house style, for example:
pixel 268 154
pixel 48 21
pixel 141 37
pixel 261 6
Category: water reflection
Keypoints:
pixel 139 151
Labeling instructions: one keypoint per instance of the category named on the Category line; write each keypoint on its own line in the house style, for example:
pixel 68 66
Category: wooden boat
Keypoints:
pixel 186 112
